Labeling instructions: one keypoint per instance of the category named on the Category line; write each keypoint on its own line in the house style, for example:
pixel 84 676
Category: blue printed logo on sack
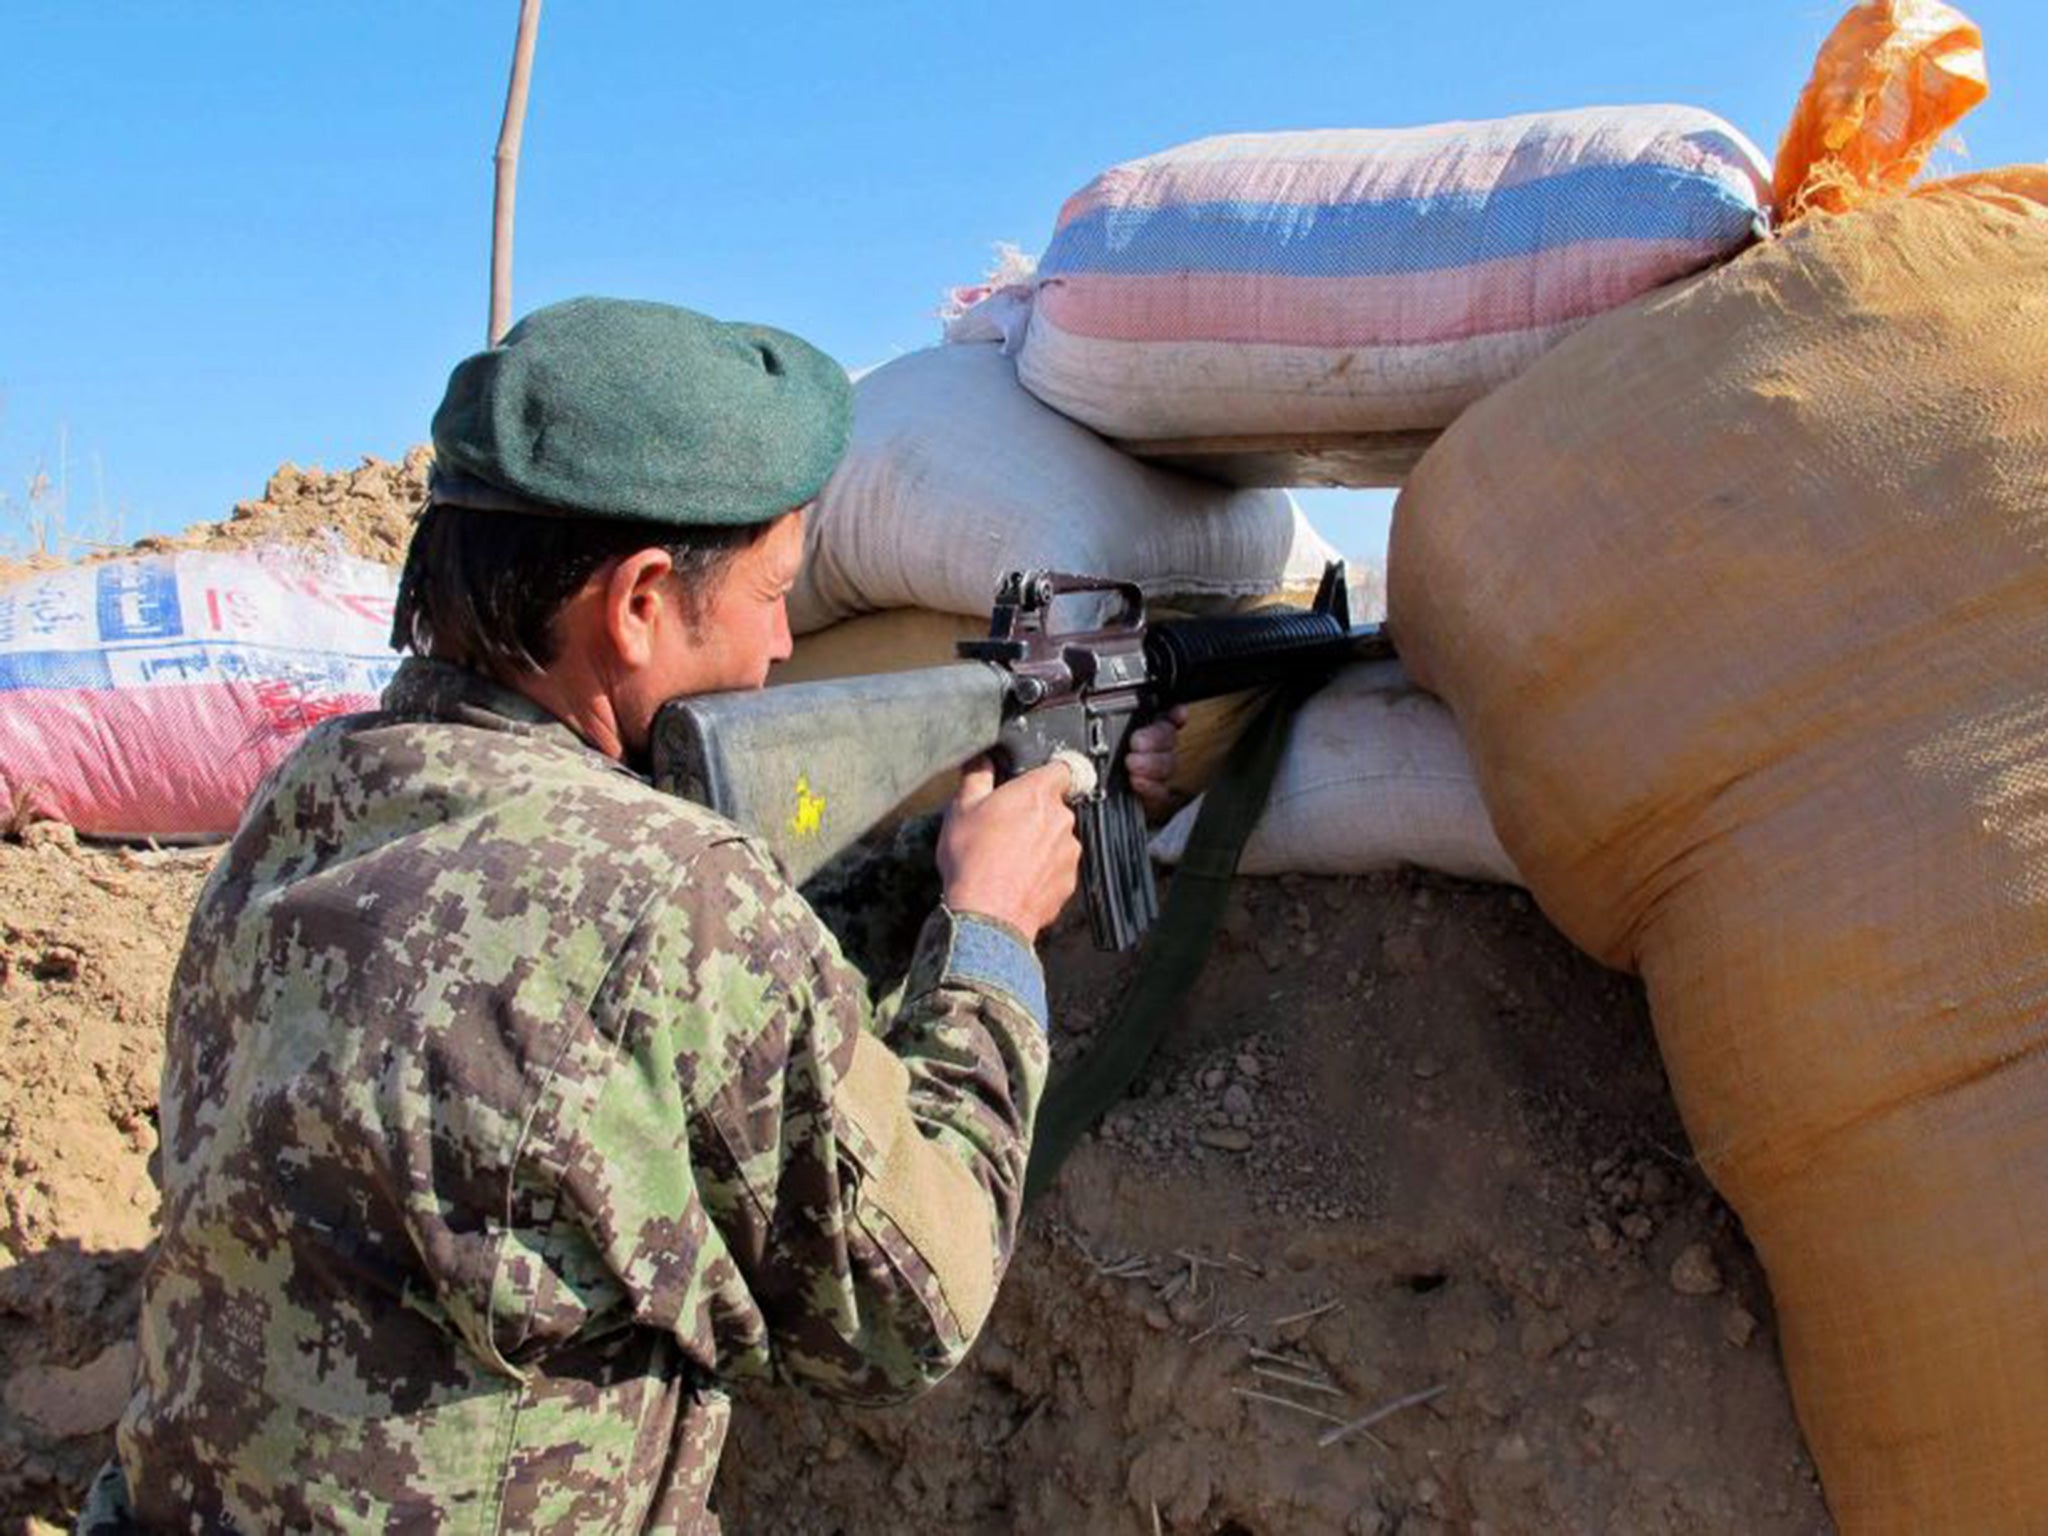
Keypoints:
pixel 138 600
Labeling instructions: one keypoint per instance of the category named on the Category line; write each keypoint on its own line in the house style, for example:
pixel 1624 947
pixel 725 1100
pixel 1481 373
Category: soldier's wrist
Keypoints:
pixel 1008 925
pixel 988 953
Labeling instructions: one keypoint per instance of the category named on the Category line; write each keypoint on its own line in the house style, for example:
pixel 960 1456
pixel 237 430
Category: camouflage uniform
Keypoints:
pixel 511 1111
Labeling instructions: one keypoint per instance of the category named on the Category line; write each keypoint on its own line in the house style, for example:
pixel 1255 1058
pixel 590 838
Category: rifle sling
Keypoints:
pixel 1175 950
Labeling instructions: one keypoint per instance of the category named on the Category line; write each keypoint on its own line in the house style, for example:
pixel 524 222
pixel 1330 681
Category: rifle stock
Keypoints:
pixel 809 767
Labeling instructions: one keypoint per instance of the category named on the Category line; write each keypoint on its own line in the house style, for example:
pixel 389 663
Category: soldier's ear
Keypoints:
pixel 639 602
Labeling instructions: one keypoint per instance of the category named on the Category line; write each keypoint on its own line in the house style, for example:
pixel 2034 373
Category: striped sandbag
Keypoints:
pixel 1363 280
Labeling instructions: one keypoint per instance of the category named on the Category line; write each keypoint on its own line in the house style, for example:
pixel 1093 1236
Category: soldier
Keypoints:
pixel 513 1111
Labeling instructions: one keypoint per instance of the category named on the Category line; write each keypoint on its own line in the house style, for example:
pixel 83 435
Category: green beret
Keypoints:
pixel 618 408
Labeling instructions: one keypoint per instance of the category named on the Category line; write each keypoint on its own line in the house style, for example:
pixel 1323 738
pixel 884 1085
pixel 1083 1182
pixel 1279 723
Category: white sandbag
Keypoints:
pixel 955 476
pixel 1375 775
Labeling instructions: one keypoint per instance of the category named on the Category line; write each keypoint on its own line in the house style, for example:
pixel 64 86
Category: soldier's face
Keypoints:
pixel 741 628
pixel 744 628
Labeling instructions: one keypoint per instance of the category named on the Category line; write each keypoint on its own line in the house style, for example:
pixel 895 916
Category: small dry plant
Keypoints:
pixel 37 524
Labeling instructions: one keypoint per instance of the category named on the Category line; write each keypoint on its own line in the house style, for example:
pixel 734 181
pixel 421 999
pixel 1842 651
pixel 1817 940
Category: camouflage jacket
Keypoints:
pixel 511 1110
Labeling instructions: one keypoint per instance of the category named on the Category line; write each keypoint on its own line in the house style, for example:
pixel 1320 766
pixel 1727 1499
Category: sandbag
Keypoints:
pixel 906 638
pixel 1363 280
pixel 146 697
pixel 1741 598
pixel 1374 776
pixel 955 476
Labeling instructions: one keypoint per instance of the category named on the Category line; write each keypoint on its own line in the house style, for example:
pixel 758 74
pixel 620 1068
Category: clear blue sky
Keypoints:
pixel 241 233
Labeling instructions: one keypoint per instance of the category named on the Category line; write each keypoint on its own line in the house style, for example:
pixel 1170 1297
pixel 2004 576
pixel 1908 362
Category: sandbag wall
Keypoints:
pixel 1741 597
pixel 1345 281
pixel 954 476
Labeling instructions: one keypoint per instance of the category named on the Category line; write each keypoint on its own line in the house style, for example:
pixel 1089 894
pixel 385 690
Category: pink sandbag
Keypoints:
pixel 147 697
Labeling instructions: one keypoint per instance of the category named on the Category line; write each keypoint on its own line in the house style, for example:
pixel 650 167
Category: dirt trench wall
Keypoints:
pixel 1404 1139
pixel 87 941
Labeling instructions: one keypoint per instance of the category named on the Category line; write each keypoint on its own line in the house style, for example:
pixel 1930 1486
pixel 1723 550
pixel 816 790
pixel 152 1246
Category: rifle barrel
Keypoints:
pixel 1192 659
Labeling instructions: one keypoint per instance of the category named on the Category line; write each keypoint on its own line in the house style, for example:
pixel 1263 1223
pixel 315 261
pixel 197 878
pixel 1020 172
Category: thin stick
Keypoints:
pixel 1221 1322
pixel 1305 1383
pixel 1677 1157
pixel 1026 1422
pixel 1413 1399
pixel 1287 1360
pixel 506 159
pixel 1302 1317
pixel 1314 1413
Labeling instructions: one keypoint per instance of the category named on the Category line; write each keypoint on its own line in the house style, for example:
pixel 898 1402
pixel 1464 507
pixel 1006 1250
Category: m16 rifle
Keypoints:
pixel 809 767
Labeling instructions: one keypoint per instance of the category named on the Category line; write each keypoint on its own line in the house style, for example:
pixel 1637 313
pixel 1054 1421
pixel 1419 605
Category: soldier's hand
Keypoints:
pixel 1010 852
pixel 1151 758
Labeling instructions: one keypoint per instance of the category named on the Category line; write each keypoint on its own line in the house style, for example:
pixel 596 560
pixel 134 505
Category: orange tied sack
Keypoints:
pixel 1893 77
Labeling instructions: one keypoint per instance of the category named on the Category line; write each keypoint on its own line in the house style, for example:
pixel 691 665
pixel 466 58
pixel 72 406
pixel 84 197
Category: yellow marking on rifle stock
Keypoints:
pixel 809 819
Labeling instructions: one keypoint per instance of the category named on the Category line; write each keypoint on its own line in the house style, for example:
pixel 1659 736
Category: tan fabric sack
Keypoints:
pixel 1741 599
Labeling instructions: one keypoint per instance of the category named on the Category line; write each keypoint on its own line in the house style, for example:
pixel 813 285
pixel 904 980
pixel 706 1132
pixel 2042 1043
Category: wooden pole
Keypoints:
pixel 506 161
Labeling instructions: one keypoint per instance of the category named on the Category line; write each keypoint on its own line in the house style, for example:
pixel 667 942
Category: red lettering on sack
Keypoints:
pixel 289 711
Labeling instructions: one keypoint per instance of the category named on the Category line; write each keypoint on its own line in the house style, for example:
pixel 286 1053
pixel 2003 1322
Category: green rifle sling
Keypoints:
pixel 1177 947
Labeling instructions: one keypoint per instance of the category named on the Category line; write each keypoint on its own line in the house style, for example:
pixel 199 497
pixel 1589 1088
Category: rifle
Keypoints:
pixel 809 767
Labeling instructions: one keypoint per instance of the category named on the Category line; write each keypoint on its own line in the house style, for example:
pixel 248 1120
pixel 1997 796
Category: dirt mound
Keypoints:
pixel 368 511
pixel 87 941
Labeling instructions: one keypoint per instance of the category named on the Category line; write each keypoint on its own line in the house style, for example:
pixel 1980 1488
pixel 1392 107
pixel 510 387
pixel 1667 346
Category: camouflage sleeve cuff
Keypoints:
pixel 987 954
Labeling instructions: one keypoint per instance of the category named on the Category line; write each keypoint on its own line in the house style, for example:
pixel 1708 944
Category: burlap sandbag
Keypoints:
pixel 1741 598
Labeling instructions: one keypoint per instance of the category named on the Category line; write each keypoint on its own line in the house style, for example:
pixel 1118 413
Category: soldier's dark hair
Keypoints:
pixel 483 588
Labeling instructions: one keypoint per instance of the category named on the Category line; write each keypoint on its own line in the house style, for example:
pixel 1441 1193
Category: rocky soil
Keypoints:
pixel 87 941
pixel 1407 1155
pixel 1399 1233
pixel 366 511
